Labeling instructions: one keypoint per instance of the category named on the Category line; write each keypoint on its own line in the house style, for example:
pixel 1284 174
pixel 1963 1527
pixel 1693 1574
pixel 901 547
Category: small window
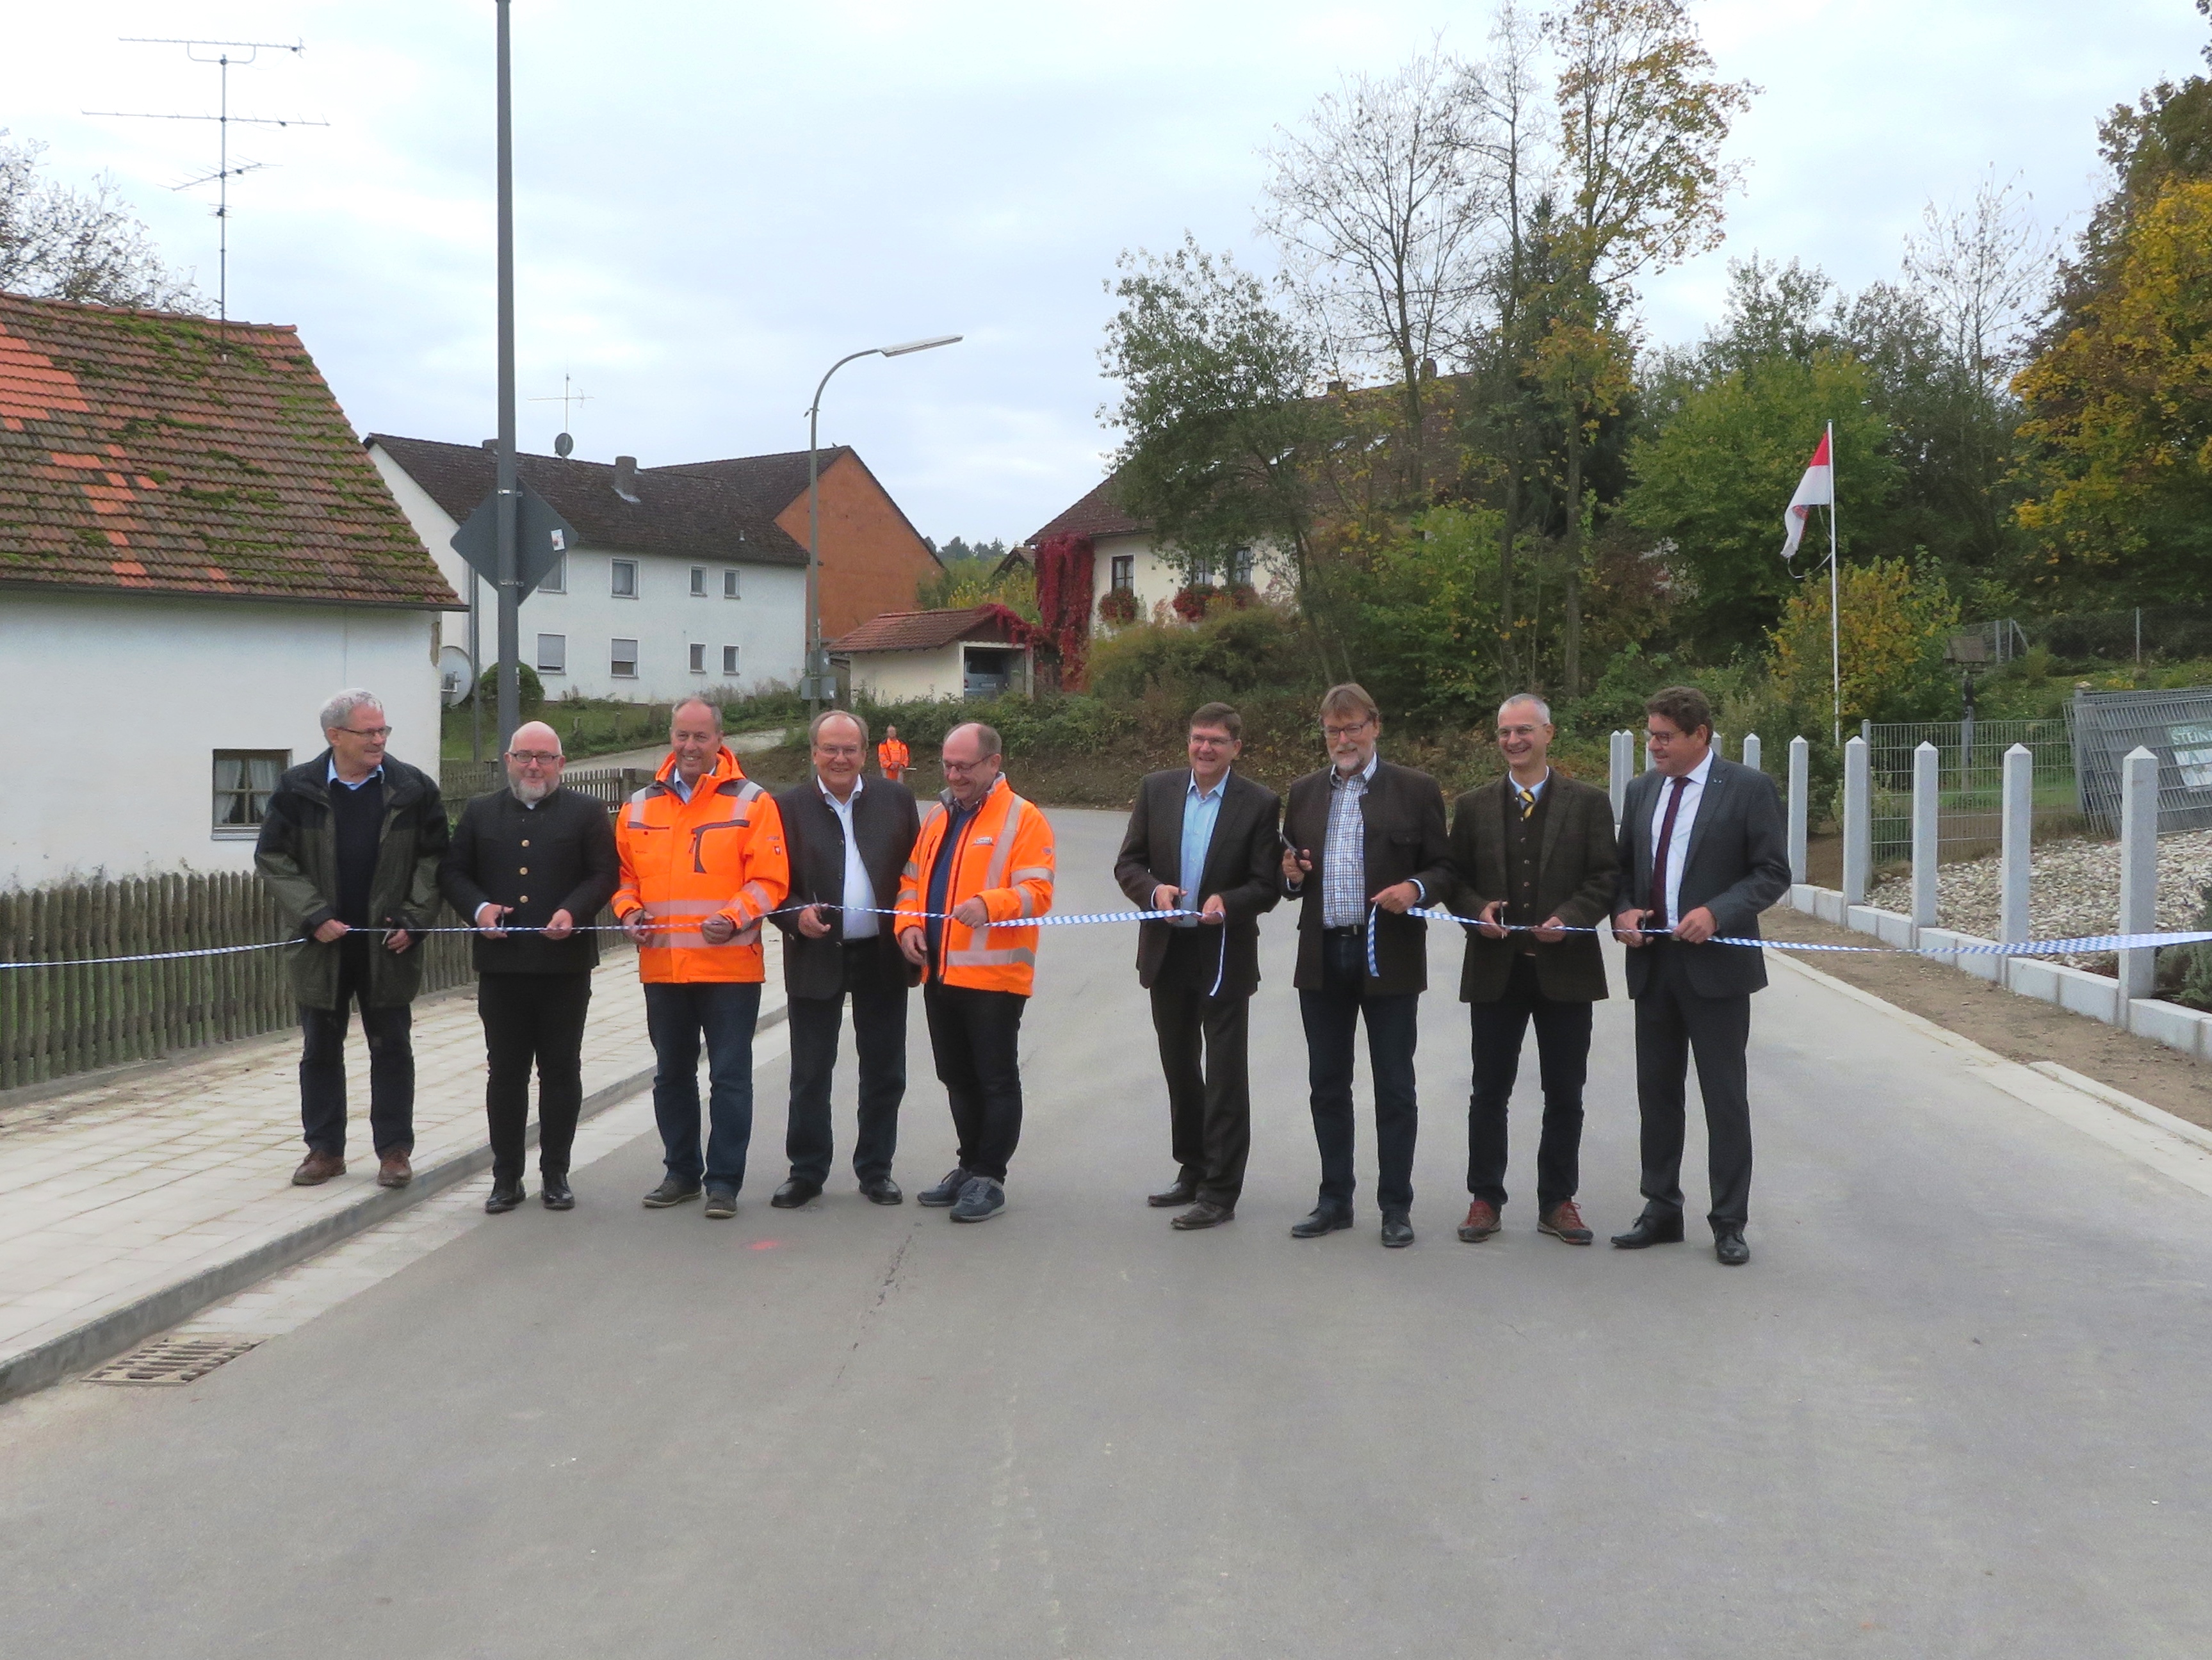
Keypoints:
pixel 1125 572
pixel 625 580
pixel 1240 568
pixel 729 659
pixel 1201 573
pixel 556 580
pixel 244 780
pixel 552 653
pixel 698 581
pixel 622 659
pixel 729 585
pixel 698 659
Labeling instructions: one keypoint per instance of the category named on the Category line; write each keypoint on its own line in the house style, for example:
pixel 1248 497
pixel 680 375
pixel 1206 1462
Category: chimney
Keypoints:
pixel 1336 388
pixel 626 477
pixel 492 444
pixel 1428 368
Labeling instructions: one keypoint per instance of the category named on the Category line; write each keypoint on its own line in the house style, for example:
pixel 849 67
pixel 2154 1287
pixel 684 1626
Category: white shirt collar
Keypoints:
pixel 1206 795
pixel 830 795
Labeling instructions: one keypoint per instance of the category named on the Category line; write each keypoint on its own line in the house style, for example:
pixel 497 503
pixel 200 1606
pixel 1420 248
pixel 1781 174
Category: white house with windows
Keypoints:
pixel 1127 557
pixel 678 582
pixel 194 555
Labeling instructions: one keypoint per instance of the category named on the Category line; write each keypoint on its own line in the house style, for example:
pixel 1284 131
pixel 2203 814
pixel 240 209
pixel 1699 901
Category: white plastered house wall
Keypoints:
pixel 939 672
pixel 117 705
pixel 1154 577
pixel 765 622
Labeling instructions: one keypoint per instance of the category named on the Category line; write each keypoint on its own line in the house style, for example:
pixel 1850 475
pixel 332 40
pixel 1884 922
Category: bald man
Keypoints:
pixel 531 866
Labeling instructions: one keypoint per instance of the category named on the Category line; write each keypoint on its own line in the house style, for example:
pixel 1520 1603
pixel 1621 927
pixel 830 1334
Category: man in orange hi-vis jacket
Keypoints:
pixel 702 862
pixel 981 871
pixel 892 756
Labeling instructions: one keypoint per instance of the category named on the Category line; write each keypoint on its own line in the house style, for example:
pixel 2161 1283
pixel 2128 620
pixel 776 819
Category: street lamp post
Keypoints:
pixel 818 667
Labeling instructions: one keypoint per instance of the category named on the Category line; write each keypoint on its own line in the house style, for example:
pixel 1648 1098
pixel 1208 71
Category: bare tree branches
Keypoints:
pixel 61 243
pixel 1981 269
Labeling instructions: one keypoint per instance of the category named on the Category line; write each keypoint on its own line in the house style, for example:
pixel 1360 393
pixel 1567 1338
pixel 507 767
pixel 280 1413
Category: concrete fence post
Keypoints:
pixel 1617 771
pixel 2015 850
pixel 1925 763
pixel 1750 751
pixel 1801 816
pixel 2139 868
pixel 1858 820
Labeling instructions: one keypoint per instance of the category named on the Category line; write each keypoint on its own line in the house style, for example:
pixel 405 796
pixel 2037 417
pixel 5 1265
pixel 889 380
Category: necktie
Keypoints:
pixel 1527 801
pixel 1658 918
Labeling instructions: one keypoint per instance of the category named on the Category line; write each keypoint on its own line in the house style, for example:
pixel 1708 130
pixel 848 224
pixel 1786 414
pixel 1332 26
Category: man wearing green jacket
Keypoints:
pixel 350 850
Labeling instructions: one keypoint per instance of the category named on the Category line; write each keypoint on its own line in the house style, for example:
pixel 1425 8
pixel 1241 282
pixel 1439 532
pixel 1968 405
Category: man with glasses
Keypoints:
pixel 350 851
pixel 848 841
pixel 531 866
pixel 1363 843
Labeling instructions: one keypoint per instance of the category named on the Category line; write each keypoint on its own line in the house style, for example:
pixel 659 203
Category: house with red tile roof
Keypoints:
pixel 1127 558
pixel 968 651
pixel 683 578
pixel 194 555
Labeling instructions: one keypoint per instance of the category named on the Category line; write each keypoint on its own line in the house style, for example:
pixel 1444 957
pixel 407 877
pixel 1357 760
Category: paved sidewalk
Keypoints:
pixel 131 1204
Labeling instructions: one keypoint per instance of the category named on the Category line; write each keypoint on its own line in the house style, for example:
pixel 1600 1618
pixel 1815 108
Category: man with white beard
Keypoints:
pixel 531 866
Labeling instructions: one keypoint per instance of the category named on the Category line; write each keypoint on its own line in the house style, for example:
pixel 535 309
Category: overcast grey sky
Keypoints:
pixel 715 200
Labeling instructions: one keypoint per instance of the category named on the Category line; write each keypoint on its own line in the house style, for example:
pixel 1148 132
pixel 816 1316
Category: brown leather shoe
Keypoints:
pixel 318 1167
pixel 393 1170
pixel 1481 1221
pixel 1563 1221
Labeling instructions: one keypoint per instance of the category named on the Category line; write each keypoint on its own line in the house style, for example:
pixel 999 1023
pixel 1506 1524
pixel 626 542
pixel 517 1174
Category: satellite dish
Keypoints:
pixel 564 445
pixel 456 675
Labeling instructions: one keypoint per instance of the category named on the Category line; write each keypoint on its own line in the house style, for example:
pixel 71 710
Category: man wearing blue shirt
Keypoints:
pixel 1202 841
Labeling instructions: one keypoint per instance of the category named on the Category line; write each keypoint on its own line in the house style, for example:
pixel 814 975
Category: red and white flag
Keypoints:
pixel 1817 488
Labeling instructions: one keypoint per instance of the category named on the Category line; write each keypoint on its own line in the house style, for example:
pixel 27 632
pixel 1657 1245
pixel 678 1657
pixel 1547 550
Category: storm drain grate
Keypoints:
pixel 171 1360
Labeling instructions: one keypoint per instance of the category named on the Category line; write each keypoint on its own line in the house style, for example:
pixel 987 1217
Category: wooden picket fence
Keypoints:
pixel 55 1022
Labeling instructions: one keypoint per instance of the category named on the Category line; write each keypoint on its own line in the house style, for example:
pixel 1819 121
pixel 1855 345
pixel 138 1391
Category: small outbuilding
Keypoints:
pixel 970 651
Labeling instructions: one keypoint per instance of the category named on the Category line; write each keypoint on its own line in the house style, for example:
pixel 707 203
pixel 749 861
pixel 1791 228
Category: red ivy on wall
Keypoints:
pixel 1063 589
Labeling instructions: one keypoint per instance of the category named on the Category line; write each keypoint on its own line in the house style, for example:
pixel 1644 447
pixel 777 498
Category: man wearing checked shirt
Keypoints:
pixel 1378 830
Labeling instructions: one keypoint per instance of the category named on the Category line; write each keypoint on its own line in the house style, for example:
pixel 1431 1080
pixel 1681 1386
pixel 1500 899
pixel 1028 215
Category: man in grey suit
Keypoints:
pixel 1203 838
pixel 1703 852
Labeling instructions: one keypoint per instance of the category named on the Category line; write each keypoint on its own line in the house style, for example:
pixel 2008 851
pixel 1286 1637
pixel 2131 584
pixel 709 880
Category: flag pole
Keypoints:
pixel 1835 620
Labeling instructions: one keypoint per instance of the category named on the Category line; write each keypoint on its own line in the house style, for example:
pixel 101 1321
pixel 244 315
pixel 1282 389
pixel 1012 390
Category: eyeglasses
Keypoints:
pixel 1354 731
pixel 961 768
pixel 364 731
pixel 536 757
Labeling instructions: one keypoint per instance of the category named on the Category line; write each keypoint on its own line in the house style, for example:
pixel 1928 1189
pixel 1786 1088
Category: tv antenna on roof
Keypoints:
pixel 564 445
pixel 224 173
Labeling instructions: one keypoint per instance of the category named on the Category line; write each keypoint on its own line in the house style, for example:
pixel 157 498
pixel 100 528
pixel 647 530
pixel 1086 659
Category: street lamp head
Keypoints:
pixel 921 345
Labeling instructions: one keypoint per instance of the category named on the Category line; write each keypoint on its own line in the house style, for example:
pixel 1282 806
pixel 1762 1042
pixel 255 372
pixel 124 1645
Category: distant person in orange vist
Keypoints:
pixel 892 757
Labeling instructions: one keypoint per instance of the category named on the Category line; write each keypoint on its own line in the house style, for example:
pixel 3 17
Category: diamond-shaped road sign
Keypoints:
pixel 543 538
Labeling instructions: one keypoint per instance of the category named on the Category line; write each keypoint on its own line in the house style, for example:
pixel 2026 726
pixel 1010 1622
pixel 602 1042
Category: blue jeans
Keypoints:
pixel 675 1018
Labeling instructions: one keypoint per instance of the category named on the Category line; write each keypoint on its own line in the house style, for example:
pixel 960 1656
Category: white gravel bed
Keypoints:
pixel 2075 890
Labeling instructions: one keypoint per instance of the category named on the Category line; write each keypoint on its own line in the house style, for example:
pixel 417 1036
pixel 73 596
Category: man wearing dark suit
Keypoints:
pixel 1532 855
pixel 1362 837
pixel 848 840
pixel 532 865
pixel 1203 839
pixel 1703 852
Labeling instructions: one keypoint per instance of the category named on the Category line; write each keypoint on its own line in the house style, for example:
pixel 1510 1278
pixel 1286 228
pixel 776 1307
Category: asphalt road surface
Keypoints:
pixel 1956 1405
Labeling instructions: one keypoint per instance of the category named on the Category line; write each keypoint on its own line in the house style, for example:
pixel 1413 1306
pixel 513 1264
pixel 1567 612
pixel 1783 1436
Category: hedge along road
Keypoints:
pixel 1954 1407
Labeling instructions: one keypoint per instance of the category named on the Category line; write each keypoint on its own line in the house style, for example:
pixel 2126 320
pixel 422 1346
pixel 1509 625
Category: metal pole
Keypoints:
pixel 1926 762
pixel 2015 849
pixel 1835 591
pixel 814 664
pixel 1858 821
pixel 2138 869
pixel 1801 785
pixel 476 675
pixel 509 526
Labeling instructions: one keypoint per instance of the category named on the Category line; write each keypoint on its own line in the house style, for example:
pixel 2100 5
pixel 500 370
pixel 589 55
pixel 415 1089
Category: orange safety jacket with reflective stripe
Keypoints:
pixel 1006 860
pixel 720 854
pixel 892 757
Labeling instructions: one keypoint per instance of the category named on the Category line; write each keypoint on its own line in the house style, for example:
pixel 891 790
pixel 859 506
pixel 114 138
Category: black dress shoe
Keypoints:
pixel 1323 1220
pixel 1397 1231
pixel 556 1194
pixel 1203 1214
pixel 1182 1193
pixel 795 1193
pixel 1651 1230
pixel 1729 1246
pixel 882 1191
pixel 503 1197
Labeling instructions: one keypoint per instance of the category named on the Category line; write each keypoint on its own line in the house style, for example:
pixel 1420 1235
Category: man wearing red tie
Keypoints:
pixel 1703 852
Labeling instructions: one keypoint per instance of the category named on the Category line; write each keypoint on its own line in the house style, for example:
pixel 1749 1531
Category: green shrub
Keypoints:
pixel 1232 651
pixel 530 690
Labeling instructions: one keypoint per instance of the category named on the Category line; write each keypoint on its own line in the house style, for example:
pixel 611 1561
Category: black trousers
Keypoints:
pixel 1673 1022
pixel 879 997
pixel 1332 1014
pixel 1203 1054
pixel 1563 1040
pixel 976 1036
pixel 532 1019
pixel 391 1062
